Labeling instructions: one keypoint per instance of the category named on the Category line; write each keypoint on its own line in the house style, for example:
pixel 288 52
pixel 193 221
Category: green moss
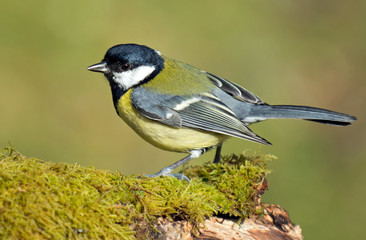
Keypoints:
pixel 239 178
pixel 57 200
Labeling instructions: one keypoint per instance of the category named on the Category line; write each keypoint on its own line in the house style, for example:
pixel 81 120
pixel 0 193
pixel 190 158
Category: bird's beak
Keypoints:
pixel 99 67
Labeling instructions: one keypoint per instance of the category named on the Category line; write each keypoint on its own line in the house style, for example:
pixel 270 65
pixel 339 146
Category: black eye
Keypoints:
pixel 125 67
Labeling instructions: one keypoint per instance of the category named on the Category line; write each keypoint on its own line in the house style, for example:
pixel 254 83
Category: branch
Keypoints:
pixel 44 200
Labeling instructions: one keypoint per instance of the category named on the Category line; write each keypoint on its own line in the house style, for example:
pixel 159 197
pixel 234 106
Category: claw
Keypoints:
pixel 179 176
pixel 168 174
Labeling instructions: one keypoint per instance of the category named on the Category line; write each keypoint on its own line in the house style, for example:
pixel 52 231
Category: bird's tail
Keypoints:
pixel 262 112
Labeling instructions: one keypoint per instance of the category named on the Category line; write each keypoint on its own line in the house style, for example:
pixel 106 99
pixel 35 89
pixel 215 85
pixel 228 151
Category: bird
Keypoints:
pixel 177 107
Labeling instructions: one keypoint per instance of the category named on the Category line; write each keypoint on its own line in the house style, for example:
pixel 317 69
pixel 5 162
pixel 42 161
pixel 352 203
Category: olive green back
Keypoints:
pixel 187 80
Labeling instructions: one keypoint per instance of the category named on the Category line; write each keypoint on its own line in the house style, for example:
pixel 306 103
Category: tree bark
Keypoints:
pixel 274 224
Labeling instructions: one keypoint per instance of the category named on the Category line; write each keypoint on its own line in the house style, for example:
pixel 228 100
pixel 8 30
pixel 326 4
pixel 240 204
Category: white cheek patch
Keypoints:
pixel 132 77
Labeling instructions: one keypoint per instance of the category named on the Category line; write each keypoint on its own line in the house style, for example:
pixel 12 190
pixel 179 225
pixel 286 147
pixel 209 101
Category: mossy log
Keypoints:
pixel 43 200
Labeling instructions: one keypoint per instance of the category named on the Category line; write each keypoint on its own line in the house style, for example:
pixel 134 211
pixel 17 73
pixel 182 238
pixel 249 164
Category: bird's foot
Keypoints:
pixel 168 172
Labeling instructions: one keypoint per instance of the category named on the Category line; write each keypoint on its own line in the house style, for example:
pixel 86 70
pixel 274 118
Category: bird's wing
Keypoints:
pixel 205 112
pixel 234 90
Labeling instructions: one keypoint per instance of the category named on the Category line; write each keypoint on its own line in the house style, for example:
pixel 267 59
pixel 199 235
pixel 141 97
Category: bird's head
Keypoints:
pixel 129 65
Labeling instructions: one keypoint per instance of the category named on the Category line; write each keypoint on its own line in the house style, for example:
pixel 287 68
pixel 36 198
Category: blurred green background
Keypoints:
pixel 287 52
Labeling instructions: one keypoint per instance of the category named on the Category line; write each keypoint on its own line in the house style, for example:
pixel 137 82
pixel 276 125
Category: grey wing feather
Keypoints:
pixel 234 89
pixel 206 113
pixel 210 114
pixel 153 106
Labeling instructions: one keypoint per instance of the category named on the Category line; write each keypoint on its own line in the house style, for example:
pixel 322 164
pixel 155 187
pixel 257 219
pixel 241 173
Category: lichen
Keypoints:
pixel 44 200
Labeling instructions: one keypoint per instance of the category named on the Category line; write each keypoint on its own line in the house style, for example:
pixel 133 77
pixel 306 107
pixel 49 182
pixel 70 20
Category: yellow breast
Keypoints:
pixel 161 135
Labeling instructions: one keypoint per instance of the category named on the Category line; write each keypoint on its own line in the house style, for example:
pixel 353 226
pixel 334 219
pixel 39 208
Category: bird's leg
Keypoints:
pixel 167 171
pixel 217 154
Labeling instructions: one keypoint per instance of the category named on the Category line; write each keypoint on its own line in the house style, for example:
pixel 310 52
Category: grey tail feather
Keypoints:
pixel 302 112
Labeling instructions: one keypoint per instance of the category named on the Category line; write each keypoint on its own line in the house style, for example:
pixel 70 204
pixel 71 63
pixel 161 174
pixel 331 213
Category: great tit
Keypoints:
pixel 180 108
